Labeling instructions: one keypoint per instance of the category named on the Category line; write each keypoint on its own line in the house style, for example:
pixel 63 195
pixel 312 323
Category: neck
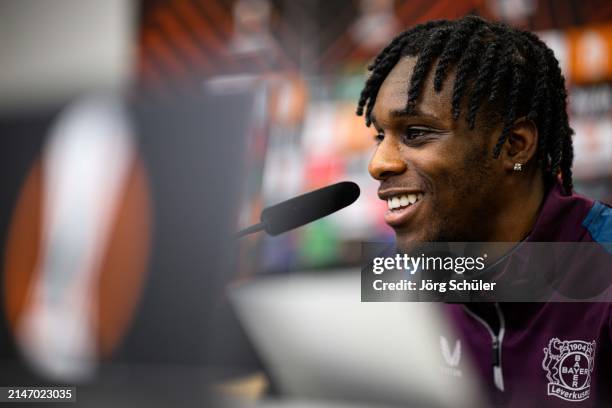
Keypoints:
pixel 516 218
pixel 520 211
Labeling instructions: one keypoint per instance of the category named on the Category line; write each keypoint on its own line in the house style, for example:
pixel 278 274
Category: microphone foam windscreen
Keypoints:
pixel 308 207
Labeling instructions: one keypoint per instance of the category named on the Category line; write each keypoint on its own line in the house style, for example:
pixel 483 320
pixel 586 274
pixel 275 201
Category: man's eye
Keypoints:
pixel 379 138
pixel 415 133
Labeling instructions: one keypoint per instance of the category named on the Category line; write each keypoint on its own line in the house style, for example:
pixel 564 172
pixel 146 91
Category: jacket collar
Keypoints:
pixel 561 217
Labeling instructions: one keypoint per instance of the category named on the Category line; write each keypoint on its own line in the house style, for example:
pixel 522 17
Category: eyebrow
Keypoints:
pixel 402 113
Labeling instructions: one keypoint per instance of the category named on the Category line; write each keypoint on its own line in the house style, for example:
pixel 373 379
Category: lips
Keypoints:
pixel 402 204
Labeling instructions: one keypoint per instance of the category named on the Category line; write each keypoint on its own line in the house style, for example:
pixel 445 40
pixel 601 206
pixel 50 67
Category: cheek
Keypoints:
pixel 457 176
pixel 437 165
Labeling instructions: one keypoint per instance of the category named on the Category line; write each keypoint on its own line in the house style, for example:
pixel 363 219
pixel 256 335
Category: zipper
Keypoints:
pixel 496 344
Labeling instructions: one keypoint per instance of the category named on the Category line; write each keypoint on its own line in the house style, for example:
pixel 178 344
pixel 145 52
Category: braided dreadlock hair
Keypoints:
pixel 491 60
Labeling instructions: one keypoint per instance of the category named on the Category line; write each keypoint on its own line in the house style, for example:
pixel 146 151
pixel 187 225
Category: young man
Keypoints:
pixel 474 144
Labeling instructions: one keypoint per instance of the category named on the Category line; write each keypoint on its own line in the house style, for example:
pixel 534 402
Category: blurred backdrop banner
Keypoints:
pixel 311 56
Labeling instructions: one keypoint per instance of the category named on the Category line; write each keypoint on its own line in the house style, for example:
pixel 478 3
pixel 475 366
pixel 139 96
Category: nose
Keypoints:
pixel 387 160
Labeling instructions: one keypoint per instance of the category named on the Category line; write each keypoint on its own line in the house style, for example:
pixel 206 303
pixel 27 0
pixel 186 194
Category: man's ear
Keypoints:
pixel 521 145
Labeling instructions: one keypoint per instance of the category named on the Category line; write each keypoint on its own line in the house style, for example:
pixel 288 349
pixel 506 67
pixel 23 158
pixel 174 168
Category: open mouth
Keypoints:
pixel 401 206
pixel 403 200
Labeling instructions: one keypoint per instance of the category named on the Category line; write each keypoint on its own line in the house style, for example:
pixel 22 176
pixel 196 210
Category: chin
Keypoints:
pixel 408 241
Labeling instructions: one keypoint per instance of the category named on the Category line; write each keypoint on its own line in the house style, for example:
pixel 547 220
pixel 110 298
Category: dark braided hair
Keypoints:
pixel 491 60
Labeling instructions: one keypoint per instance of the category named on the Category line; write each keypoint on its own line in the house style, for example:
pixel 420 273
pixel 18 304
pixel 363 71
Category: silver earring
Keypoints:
pixel 518 167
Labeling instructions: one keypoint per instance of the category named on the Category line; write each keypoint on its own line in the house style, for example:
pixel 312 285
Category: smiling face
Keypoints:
pixel 434 162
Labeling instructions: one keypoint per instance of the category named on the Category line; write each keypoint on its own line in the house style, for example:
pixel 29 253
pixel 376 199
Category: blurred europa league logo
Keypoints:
pixel 78 242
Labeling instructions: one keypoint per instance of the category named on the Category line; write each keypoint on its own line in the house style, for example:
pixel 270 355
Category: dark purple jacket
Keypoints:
pixel 543 354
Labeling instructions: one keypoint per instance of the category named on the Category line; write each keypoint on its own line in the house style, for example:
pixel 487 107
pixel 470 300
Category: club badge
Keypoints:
pixel 568 365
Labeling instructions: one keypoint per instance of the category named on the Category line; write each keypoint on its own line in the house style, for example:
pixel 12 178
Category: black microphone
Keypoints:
pixel 305 208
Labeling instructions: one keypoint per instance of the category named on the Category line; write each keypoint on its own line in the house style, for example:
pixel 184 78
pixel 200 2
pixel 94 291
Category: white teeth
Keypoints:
pixel 403 200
